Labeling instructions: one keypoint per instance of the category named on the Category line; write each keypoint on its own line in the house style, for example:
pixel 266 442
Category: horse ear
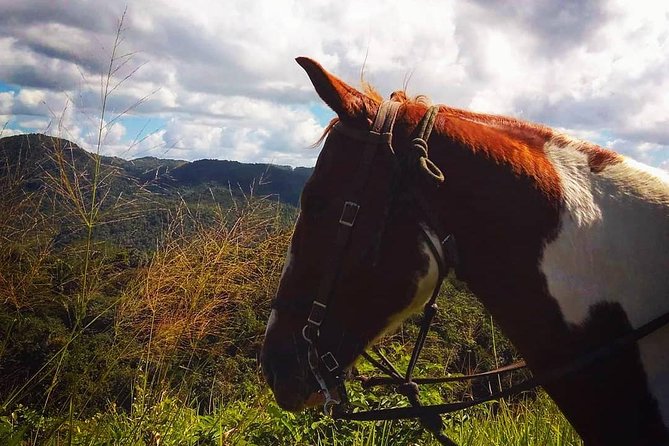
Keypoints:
pixel 349 103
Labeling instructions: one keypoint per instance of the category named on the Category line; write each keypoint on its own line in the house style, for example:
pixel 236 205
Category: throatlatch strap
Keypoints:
pixel 426 123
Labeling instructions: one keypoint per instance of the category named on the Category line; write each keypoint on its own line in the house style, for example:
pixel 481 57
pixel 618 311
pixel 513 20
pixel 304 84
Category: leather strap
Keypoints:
pixel 554 374
pixel 380 133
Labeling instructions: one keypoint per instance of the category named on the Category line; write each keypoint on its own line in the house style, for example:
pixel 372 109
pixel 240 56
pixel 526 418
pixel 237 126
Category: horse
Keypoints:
pixel 564 242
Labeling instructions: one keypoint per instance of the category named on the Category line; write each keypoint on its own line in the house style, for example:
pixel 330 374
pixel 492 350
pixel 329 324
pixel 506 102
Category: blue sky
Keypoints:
pixel 214 80
pixel 7 87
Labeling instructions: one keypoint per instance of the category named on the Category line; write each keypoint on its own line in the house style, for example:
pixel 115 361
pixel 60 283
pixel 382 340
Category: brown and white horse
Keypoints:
pixel 564 242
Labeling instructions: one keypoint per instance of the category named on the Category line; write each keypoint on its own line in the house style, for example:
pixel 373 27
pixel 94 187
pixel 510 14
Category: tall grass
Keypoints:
pixel 194 282
pixel 179 335
pixel 176 364
pixel 97 348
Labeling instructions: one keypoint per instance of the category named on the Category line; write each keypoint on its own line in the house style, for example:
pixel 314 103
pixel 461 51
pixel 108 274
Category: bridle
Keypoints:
pixel 325 367
pixel 380 135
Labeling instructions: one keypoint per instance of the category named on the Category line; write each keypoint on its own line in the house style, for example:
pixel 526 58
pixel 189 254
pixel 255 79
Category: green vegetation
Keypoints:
pixel 133 299
pixel 108 341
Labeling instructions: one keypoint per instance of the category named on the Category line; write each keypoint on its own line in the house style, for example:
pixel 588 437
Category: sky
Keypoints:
pixel 217 79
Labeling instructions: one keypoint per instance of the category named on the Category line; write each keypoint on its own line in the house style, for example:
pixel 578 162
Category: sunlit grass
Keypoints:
pixel 97 349
pixel 257 421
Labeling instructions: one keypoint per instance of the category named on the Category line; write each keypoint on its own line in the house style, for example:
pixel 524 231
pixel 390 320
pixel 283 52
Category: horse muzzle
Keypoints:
pixel 290 379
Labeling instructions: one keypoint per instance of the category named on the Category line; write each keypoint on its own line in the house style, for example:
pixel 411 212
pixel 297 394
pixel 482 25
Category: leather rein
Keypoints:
pixel 324 365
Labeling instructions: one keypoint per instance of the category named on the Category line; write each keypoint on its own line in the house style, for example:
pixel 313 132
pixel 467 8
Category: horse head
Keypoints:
pixel 362 246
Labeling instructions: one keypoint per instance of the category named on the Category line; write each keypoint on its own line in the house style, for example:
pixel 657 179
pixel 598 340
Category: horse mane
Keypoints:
pixel 489 132
pixel 524 136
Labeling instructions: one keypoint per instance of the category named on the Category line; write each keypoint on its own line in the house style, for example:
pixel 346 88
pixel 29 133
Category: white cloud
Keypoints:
pixel 222 76
pixel 6 102
pixel 35 123
pixel 250 131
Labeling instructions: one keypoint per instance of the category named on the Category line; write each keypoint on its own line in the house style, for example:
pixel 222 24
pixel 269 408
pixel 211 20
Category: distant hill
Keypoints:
pixel 31 155
pixel 262 179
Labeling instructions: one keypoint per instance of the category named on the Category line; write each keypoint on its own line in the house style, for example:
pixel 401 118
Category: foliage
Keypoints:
pixel 164 352
pixel 134 294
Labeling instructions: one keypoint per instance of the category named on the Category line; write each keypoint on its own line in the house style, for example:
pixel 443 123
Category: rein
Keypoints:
pixel 324 365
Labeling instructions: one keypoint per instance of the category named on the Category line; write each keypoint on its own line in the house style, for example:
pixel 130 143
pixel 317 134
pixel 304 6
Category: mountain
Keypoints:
pixel 30 156
pixel 260 179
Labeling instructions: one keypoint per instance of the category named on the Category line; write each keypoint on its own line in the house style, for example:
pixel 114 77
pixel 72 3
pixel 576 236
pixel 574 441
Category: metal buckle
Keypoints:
pixel 349 213
pixel 317 313
pixel 330 361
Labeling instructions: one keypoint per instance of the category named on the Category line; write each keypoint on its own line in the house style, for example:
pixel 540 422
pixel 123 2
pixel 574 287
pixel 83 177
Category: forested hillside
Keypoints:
pixel 35 154
pixel 135 197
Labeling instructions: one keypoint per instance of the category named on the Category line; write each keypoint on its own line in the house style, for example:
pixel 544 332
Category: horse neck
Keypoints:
pixel 525 211
pixel 501 217
pixel 568 268
pixel 490 199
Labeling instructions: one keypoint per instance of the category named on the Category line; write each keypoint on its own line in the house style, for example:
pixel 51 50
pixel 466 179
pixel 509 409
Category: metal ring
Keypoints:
pixel 329 404
pixel 305 336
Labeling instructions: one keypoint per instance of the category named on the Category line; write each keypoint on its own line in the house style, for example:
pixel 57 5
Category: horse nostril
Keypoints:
pixel 286 377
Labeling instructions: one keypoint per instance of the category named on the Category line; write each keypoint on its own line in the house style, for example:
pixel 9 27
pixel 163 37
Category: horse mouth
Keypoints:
pixel 314 399
pixel 318 398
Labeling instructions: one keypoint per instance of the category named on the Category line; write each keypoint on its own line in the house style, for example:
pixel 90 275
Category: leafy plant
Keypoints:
pixel 132 313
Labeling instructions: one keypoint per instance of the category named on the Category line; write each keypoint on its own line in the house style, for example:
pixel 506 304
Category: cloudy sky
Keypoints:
pixel 217 79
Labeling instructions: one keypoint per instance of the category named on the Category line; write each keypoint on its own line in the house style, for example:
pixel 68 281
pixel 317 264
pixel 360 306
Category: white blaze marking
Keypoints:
pixel 288 262
pixel 613 246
